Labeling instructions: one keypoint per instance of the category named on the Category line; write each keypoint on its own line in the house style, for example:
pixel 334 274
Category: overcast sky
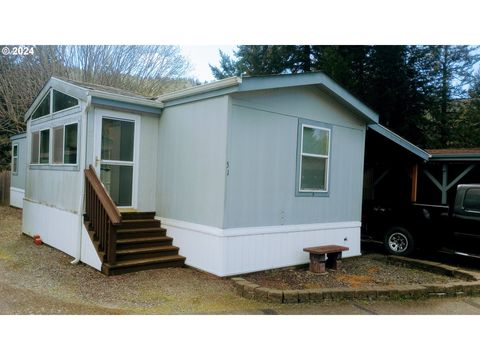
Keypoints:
pixel 202 55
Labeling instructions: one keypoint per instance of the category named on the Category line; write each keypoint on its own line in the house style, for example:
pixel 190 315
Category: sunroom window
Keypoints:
pixel 62 101
pixel 43 108
pixel 59 102
pixel 44 146
pixel 65 144
pixel 35 147
pixel 314 159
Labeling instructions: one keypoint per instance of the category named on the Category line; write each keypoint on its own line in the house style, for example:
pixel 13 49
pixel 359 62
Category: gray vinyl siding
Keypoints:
pixel 148 162
pixel 54 185
pixel 18 179
pixel 191 162
pixel 262 154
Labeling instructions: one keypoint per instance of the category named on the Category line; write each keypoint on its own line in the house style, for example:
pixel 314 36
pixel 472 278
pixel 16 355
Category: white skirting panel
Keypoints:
pixel 238 251
pixel 89 254
pixel 16 197
pixel 57 228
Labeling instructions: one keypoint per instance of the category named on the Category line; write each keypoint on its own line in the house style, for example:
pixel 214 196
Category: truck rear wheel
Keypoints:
pixel 399 241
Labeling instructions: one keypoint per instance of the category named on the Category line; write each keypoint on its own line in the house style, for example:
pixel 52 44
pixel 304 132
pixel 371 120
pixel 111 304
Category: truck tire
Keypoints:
pixel 399 241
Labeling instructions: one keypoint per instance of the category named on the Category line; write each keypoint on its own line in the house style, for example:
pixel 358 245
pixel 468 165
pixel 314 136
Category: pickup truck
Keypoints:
pixel 404 228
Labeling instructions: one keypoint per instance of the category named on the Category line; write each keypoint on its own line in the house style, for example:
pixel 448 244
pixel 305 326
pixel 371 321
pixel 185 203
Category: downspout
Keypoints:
pixel 82 165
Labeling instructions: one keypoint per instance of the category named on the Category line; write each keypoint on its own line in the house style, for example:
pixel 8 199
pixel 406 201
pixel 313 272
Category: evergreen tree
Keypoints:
pixel 413 88
pixel 450 72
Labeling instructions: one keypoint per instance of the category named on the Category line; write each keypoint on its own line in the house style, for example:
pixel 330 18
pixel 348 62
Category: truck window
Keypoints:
pixel 472 200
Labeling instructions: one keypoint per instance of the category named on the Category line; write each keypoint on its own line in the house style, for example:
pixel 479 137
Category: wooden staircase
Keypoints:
pixel 125 242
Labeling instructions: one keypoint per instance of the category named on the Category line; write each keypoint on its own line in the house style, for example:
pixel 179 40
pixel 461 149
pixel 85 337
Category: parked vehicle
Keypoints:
pixel 454 228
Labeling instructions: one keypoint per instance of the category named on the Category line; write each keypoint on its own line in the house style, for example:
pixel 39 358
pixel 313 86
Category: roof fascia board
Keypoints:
pixel 18 136
pixel 454 157
pixel 305 79
pixel 126 105
pixel 201 89
pixel 201 96
pixel 126 99
pixel 382 130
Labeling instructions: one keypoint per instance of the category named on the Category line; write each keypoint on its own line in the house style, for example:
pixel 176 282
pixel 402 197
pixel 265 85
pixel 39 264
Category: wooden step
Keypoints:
pixel 125 266
pixel 139 223
pixel 140 232
pixel 135 242
pixel 146 252
pixel 138 215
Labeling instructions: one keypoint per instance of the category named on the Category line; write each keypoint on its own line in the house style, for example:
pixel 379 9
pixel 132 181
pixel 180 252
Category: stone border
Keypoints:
pixel 469 286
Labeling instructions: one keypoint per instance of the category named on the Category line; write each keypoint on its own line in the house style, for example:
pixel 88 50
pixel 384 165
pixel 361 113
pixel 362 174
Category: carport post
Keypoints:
pixel 444 183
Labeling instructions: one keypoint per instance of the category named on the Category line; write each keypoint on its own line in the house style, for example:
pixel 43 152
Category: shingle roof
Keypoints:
pixel 454 151
pixel 107 89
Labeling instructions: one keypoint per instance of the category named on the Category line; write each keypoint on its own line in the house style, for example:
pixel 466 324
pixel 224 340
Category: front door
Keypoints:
pixel 115 155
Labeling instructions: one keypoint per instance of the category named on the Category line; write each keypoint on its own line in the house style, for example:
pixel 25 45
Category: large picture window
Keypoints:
pixel 314 159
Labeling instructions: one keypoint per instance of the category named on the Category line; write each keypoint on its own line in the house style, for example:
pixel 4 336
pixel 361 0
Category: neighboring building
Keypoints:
pixel 18 170
pixel 243 172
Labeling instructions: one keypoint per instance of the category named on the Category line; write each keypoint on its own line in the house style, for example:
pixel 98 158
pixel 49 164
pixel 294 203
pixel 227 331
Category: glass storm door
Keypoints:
pixel 116 160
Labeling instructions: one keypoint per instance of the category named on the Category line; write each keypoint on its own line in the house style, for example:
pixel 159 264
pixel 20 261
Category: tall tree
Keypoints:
pixel 411 87
pixel 450 72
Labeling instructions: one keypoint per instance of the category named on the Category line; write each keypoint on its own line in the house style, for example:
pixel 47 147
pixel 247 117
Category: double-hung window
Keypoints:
pixel 314 159
pixel 15 159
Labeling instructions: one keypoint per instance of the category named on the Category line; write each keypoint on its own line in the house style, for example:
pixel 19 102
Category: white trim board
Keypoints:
pixel 258 230
pixel 227 252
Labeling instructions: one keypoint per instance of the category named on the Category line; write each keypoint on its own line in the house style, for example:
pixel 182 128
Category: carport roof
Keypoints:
pixel 382 130
pixel 464 154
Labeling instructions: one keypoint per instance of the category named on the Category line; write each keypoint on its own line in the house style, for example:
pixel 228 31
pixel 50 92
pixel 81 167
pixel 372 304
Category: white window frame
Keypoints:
pixel 63 144
pixel 327 157
pixel 14 171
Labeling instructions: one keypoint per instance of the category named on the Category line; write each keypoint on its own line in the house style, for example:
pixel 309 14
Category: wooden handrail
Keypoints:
pixel 103 196
pixel 102 214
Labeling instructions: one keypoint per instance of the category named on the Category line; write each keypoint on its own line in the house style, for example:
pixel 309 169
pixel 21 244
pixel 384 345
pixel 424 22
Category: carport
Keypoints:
pixel 445 169
pixel 398 172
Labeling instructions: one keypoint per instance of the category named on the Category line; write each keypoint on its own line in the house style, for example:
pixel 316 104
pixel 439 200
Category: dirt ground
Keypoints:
pixel 45 276
pixel 41 280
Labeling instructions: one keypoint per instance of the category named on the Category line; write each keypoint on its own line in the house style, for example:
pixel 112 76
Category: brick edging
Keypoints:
pixel 469 286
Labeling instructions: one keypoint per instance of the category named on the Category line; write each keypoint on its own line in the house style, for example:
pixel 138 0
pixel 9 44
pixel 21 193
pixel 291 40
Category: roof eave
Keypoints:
pixel 313 78
pixel 382 130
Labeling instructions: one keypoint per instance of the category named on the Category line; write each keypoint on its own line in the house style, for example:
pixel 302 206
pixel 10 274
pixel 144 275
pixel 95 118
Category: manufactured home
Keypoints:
pixel 231 177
